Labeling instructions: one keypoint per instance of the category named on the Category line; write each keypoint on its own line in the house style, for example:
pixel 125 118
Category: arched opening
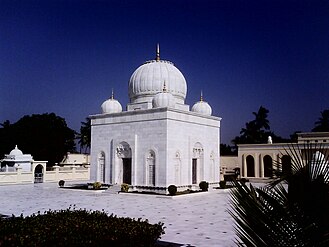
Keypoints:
pixel 150 167
pixel 268 166
pixel 101 167
pixel 250 166
pixel 286 164
pixel 38 174
pixel 197 163
pixel 123 151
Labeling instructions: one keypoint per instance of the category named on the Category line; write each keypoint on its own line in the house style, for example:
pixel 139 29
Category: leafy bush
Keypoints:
pixel 124 187
pixel 78 228
pixel 97 185
pixel 172 189
pixel 204 185
pixel 61 183
pixel 222 184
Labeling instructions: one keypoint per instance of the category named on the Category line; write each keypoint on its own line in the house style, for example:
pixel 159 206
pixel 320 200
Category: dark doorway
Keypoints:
pixel 38 174
pixel 286 164
pixel 126 170
pixel 194 171
pixel 268 172
pixel 250 166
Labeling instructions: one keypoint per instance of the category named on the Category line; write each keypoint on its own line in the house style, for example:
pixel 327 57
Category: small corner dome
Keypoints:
pixel 163 99
pixel 111 106
pixel 202 107
pixel 16 151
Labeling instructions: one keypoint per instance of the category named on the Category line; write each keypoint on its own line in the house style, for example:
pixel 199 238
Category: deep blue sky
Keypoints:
pixel 66 56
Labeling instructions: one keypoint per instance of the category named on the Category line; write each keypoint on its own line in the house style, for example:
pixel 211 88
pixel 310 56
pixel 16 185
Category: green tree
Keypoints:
pixel 291 211
pixel 257 130
pixel 84 137
pixel 227 150
pixel 45 136
pixel 322 125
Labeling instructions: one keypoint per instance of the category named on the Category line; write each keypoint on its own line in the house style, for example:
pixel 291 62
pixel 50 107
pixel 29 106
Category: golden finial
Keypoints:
pixel 112 95
pixel 157 58
pixel 201 96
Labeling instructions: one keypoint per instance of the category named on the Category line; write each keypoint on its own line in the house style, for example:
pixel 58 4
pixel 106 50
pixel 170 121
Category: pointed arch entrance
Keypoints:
pixel 123 152
pixel 197 163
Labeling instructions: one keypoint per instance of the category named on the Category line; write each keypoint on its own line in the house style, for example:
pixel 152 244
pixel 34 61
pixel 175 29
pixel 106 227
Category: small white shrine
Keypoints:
pixel 16 159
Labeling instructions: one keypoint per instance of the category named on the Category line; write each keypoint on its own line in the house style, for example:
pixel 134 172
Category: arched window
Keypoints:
pixel 101 167
pixel 150 166
pixel 268 166
pixel 250 166
pixel 286 164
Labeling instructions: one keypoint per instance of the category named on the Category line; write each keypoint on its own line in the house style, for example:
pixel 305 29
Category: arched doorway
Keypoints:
pixel 123 151
pixel 268 166
pixel 250 166
pixel 286 164
pixel 197 163
pixel 150 167
pixel 101 167
pixel 38 174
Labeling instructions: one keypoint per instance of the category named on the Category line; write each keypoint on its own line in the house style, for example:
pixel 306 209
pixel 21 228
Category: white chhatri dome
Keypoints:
pixel 202 107
pixel 147 81
pixel 16 152
pixel 111 106
pixel 163 99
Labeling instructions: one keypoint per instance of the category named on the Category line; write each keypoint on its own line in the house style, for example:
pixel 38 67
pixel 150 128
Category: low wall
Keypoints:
pixel 71 173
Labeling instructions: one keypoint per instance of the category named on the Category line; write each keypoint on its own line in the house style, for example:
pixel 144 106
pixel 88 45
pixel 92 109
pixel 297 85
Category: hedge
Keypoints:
pixel 71 227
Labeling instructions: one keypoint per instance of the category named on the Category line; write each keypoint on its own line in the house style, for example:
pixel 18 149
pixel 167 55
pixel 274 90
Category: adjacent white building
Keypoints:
pixel 158 140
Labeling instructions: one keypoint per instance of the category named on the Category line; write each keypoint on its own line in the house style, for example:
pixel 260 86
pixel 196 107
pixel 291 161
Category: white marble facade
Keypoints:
pixel 158 141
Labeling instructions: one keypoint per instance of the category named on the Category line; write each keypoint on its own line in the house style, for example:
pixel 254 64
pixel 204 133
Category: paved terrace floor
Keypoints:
pixel 198 220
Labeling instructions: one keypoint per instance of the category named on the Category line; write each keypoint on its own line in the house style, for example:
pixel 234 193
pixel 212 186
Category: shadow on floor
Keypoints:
pixel 170 244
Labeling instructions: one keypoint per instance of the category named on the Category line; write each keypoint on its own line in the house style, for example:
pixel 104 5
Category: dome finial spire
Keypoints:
pixel 157 58
pixel 164 86
pixel 112 95
pixel 201 96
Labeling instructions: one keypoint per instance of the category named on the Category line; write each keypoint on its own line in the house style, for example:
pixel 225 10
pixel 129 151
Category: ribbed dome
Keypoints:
pixel 111 106
pixel 148 80
pixel 202 107
pixel 163 99
pixel 16 151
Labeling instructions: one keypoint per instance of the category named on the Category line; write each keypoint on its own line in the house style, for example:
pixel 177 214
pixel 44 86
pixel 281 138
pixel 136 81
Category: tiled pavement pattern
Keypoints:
pixel 191 220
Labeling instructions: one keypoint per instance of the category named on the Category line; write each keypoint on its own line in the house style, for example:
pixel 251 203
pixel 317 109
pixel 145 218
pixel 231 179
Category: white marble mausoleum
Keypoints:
pixel 158 140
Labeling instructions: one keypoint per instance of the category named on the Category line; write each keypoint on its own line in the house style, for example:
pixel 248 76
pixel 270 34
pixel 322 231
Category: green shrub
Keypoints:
pixel 97 185
pixel 124 187
pixel 61 183
pixel 222 184
pixel 204 185
pixel 78 228
pixel 172 189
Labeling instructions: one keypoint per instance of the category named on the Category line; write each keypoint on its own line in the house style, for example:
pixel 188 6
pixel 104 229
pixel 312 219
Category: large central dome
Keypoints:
pixel 149 79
